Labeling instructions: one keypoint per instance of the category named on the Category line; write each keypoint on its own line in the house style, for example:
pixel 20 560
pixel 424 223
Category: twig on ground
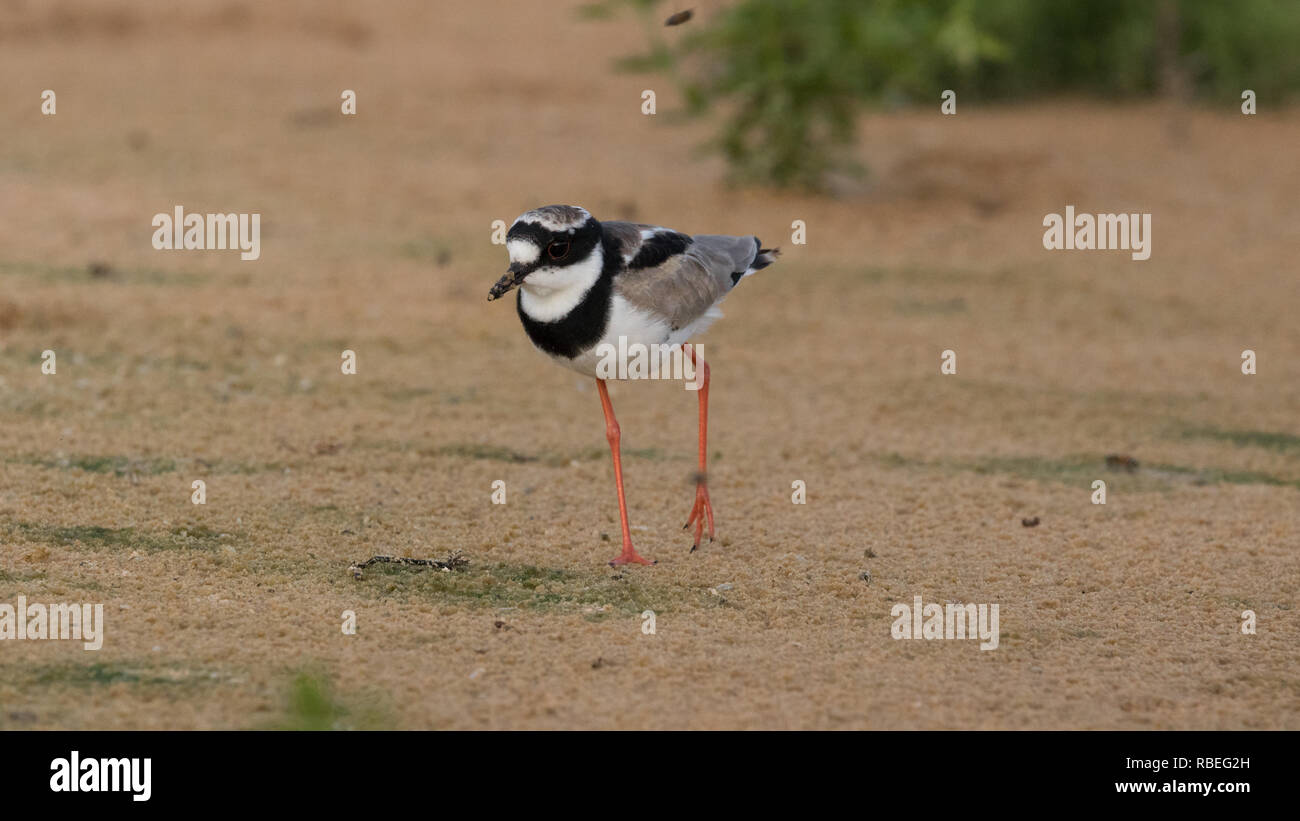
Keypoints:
pixel 453 562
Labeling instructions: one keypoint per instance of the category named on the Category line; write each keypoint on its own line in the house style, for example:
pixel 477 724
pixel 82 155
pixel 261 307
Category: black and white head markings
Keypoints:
pixel 544 241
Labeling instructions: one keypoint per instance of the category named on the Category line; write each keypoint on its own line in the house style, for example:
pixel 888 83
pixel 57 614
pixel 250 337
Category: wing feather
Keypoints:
pixel 682 286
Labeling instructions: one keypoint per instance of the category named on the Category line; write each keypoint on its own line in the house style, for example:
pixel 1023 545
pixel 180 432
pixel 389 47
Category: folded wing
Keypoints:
pixel 679 277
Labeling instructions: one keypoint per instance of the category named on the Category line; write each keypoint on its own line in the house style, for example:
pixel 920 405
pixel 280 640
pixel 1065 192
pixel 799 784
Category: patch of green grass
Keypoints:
pixel 1082 469
pixel 1070 469
pixel 28 404
pixel 405 394
pixel 192 535
pixel 521 586
pixel 313 705
pixel 892 459
pixel 493 453
pixel 117 465
pixel 1148 476
pixel 103 674
pixel 1238 602
pixel 594 453
pixel 184 363
pixel 920 275
pixel 223 468
pixel 121 466
pixel 449 398
pixel 949 276
pixel 89 675
pixel 91 535
pixel 497 453
pixel 1246 438
pixel 18 576
pixel 181 537
pixel 82 274
pixel 915 307
pixel 1214 476
pixel 414 392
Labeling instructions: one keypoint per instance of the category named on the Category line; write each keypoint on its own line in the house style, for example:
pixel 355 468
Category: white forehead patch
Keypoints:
pixel 522 251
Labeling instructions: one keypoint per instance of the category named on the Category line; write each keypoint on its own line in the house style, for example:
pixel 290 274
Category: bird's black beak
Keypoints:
pixel 509 281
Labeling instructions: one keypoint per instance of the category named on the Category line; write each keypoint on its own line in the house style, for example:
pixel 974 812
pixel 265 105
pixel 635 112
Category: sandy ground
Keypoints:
pixel 376 237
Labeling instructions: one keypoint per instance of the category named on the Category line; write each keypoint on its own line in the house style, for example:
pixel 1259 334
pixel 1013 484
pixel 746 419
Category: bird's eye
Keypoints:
pixel 558 249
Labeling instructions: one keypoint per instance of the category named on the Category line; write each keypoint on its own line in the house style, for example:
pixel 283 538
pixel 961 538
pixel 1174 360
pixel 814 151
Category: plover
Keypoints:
pixel 584 283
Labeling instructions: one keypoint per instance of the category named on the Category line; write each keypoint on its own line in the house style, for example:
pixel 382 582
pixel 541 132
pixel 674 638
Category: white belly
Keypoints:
pixel 637 327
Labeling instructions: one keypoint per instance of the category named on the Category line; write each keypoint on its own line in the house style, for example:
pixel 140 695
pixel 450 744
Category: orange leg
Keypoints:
pixel 702 509
pixel 629 554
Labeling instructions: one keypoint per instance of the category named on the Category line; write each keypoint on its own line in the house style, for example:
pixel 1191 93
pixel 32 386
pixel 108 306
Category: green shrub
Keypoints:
pixel 790 77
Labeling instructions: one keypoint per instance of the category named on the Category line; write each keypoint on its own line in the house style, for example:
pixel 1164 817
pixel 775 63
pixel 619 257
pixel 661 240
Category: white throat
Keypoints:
pixel 550 294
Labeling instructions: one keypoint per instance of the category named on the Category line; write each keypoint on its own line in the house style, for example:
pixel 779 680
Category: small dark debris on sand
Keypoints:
pixel 680 17
pixel 1030 522
pixel 1120 461
pixel 453 562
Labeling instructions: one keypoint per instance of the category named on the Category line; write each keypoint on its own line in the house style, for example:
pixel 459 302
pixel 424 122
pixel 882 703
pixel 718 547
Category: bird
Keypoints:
pixel 585 285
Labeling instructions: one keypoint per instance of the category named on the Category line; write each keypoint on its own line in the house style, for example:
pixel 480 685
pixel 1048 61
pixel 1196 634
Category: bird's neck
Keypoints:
pixel 577 315
pixel 549 295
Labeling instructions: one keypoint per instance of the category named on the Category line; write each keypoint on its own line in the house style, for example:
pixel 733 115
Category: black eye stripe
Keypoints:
pixel 575 243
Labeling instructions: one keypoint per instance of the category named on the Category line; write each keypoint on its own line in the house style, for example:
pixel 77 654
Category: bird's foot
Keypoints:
pixel 699 513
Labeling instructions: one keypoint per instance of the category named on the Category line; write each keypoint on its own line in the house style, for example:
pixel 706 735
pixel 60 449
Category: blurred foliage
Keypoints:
pixel 313 706
pixel 790 77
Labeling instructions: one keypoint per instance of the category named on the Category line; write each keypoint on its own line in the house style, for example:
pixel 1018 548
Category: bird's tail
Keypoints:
pixel 762 259
pixel 765 257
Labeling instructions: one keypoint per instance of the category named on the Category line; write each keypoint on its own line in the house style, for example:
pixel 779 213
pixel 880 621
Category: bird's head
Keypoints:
pixel 550 248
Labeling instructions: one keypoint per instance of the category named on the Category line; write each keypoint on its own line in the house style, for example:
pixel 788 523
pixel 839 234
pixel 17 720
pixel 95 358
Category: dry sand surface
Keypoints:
pixel 376 237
